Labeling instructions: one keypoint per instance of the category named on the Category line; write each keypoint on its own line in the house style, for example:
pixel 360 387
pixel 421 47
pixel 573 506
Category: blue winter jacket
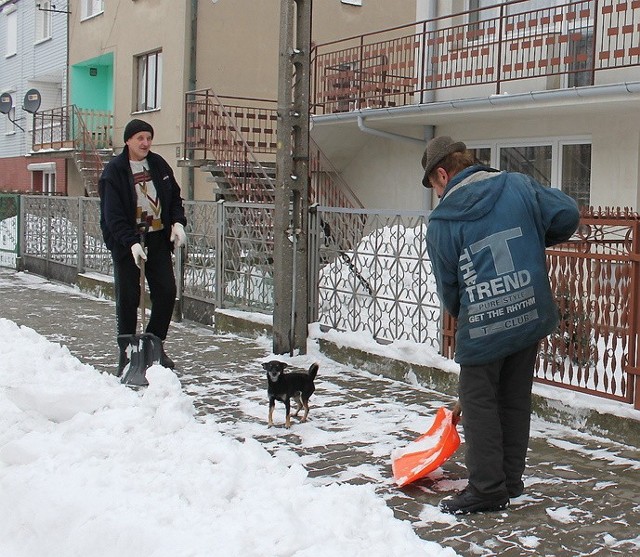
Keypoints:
pixel 486 240
pixel 118 201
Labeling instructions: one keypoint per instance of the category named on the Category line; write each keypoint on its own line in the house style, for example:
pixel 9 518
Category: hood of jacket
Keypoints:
pixel 470 194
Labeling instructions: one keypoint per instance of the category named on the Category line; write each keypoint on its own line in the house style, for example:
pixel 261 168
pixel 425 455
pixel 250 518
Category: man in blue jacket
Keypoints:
pixel 138 188
pixel 486 240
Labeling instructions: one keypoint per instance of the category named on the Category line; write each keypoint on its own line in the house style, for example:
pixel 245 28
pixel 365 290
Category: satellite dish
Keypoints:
pixel 6 103
pixel 32 100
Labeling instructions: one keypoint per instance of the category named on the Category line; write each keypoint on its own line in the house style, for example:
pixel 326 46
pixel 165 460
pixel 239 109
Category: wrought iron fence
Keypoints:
pixel 595 279
pixel 229 260
pixel 382 284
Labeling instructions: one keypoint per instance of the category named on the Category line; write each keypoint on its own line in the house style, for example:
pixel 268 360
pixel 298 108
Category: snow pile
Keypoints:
pixel 89 467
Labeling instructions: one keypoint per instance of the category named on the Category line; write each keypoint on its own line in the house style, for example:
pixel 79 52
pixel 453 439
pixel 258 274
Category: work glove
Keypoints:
pixel 139 254
pixel 178 235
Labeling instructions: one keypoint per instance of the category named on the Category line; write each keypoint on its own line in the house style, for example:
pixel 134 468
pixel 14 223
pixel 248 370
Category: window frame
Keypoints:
pixel 556 143
pixel 43 21
pixel 91 8
pixel 11 42
pixel 148 81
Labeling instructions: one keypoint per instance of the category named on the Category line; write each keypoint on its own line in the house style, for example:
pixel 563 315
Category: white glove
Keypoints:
pixel 178 235
pixel 139 254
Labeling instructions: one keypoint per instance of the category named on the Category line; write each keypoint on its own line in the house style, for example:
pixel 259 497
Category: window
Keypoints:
pixel 576 172
pixel 533 160
pixel 49 182
pixel 563 163
pixel 91 8
pixel 43 20
pixel 149 81
pixel 43 177
pixel 12 32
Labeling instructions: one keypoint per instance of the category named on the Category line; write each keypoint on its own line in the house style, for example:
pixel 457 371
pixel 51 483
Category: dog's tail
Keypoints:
pixel 313 370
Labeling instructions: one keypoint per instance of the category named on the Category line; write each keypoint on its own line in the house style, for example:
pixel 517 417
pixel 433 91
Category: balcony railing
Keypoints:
pixel 69 127
pixel 86 134
pixel 565 45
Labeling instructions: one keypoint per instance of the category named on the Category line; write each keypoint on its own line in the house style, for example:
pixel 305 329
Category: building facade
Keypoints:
pixel 33 76
pixel 546 87
pixel 138 59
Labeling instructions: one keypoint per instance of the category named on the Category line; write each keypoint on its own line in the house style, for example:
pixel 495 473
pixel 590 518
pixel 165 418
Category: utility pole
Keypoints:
pixel 292 179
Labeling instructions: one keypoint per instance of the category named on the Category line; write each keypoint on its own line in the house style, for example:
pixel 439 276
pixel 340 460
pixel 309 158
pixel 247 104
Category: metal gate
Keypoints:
pixel 9 229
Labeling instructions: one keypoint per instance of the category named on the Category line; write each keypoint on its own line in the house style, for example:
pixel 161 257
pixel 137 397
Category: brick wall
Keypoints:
pixel 14 176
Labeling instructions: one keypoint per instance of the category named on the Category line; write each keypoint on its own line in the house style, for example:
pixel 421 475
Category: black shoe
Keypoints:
pixel 123 359
pixel 165 361
pixel 515 490
pixel 465 502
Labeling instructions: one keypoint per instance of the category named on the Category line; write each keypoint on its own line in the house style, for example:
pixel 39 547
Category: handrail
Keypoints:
pixel 209 121
pixel 79 131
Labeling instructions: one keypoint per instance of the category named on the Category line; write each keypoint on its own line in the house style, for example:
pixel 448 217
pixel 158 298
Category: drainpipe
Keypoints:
pixel 386 135
pixel 193 48
pixel 427 196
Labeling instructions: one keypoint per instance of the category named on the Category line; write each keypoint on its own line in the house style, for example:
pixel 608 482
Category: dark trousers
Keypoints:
pixel 162 288
pixel 496 412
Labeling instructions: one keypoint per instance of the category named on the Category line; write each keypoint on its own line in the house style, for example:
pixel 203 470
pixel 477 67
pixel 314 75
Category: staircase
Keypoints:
pixel 250 183
pixel 236 143
pixel 90 164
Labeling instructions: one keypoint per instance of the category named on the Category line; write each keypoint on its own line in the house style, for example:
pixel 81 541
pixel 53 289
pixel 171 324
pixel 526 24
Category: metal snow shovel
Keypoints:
pixel 428 451
pixel 144 349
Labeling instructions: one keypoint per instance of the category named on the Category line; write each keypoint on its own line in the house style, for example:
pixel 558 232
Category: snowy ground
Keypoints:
pixel 88 467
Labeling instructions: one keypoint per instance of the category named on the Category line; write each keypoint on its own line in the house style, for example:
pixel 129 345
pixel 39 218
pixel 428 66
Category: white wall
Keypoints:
pixel 387 174
pixel 34 66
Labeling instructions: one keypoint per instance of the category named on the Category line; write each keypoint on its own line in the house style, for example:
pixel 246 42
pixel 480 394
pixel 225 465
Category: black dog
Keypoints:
pixel 285 386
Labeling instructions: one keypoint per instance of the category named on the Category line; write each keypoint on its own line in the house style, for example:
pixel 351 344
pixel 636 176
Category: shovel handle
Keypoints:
pixel 143 228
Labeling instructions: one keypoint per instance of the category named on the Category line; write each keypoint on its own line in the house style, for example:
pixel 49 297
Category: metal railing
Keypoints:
pixel 232 134
pixel 224 139
pixel 86 133
pixel 564 46
pixel 72 128
pixel 382 285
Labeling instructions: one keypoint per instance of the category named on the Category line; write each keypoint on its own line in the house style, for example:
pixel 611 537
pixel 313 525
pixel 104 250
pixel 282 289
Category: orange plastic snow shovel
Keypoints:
pixel 428 451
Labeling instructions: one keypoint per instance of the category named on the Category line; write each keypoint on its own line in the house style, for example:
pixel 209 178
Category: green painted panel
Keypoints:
pixel 92 84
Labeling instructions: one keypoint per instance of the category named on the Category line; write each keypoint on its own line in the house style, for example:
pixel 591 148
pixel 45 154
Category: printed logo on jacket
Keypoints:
pixel 500 303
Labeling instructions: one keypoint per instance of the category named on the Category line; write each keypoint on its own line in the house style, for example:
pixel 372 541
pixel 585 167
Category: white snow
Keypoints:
pixel 89 467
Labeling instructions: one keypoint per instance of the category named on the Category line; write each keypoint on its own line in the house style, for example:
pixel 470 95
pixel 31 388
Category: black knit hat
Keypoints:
pixel 137 126
pixel 437 149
